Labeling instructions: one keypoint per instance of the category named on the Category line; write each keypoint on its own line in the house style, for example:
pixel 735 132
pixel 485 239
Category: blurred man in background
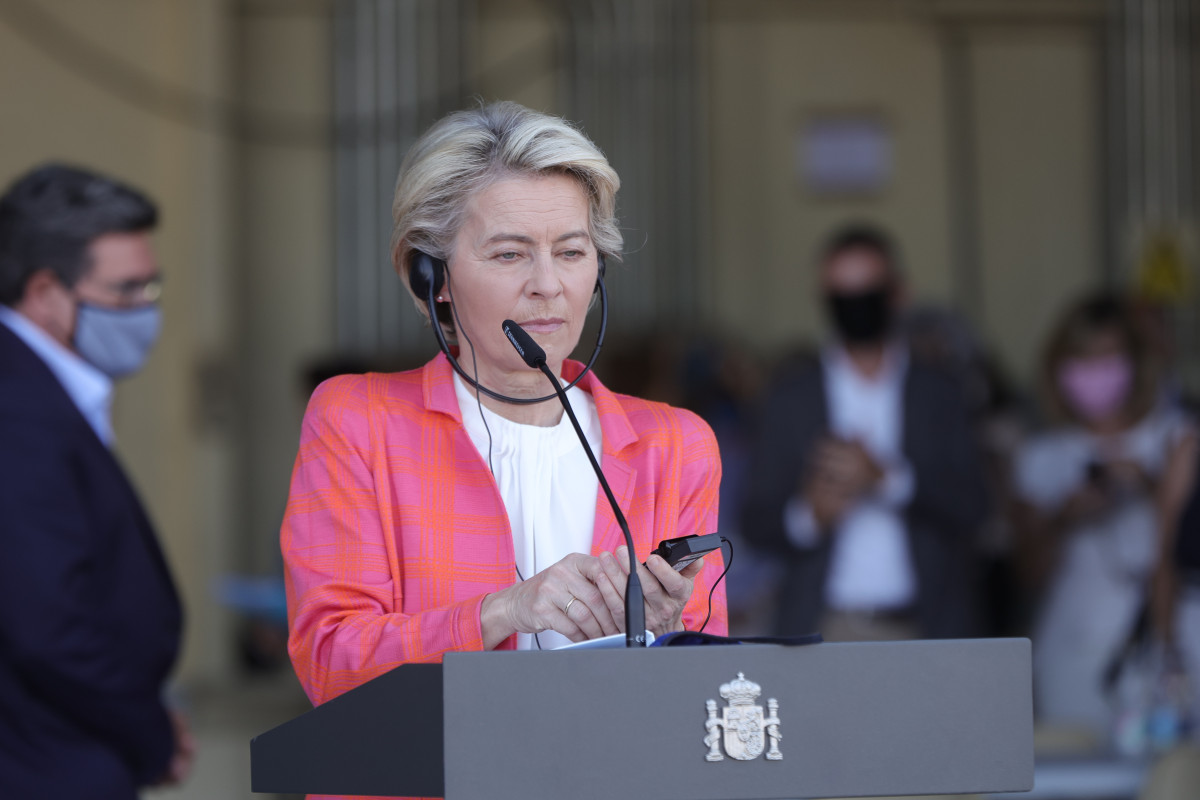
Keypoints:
pixel 89 617
pixel 866 476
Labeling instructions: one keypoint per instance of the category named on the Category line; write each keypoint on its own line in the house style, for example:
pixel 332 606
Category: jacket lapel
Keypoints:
pixel 622 477
pixel 619 469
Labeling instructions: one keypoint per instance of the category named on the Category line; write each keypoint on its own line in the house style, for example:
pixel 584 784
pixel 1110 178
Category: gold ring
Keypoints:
pixel 567 607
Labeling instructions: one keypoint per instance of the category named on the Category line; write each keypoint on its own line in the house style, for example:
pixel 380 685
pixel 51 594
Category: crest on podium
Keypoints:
pixel 747 730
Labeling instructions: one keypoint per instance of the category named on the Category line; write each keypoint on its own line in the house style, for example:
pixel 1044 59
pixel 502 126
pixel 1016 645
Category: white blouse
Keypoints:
pixel 547 484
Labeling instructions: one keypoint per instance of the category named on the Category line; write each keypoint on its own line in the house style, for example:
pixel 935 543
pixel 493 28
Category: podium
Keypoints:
pixel 692 723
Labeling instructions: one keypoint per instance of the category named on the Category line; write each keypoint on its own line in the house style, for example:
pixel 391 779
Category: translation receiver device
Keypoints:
pixel 684 550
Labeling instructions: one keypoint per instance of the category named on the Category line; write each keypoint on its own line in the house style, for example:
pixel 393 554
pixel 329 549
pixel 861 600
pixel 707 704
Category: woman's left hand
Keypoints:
pixel 666 591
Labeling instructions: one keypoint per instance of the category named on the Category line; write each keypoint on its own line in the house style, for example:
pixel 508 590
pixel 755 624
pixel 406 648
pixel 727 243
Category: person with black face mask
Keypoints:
pixel 867 480
pixel 90 620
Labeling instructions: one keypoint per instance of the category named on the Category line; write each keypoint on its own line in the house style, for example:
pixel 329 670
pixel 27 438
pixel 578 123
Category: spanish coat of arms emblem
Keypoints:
pixel 747 731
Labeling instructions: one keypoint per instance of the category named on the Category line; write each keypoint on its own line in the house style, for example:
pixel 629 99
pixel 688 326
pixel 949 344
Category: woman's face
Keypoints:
pixel 524 253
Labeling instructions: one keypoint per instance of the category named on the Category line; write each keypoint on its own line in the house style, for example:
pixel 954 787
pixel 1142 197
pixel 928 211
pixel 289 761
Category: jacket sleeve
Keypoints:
pixel 54 630
pixel 950 490
pixel 699 501
pixel 342 568
pixel 775 465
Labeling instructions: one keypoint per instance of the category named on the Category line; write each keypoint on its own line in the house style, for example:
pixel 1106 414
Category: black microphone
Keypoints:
pixel 635 605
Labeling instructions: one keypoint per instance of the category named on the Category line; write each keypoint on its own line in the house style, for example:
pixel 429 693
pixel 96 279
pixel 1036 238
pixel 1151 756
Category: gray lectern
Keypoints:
pixel 686 723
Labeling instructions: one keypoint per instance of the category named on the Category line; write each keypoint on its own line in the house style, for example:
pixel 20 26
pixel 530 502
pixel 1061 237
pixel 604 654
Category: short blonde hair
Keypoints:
pixel 467 151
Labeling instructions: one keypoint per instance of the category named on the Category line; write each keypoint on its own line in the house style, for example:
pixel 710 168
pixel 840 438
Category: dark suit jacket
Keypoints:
pixel 947 508
pixel 89 617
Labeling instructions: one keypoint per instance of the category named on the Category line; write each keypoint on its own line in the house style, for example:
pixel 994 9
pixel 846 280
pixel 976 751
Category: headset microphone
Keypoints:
pixel 427 276
pixel 635 604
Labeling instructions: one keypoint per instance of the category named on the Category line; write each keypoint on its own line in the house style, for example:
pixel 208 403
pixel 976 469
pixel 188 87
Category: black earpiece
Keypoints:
pixel 599 269
pixel 425 271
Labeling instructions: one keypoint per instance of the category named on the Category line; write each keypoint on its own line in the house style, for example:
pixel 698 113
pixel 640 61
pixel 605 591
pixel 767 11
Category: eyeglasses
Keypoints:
pixel 135 293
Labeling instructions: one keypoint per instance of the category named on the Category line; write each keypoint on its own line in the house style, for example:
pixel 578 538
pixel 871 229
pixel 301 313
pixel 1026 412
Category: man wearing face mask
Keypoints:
pixel 867 478
pixel 89 617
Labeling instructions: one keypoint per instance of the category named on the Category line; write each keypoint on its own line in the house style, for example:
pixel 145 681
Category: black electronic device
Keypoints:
pixel 683 550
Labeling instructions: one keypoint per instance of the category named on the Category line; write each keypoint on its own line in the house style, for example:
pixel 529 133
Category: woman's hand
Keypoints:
pixel 564 597
pixel 666 591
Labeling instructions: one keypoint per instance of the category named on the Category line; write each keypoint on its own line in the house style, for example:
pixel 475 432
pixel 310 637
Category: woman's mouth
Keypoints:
pixel 542 325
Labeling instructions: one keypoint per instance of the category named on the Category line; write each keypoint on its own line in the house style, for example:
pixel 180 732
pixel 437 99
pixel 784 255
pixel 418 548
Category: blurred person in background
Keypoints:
pixel 1175 582
pixel 867 480
pixel 1087 521
pixel 89 618
pixel 722 382
pixel 937 335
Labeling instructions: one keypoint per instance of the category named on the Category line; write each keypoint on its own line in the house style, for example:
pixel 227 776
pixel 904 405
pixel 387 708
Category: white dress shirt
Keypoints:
pixel 870 565
pixel 546 481
pixel 89 388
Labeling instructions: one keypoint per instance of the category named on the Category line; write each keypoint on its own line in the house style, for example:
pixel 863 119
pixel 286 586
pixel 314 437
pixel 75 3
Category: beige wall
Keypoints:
pixel 1032 84
pixel 773 66
pixel 513 54
pixel 1039 193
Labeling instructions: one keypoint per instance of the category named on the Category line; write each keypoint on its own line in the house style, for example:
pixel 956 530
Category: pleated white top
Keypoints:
pixel 548 485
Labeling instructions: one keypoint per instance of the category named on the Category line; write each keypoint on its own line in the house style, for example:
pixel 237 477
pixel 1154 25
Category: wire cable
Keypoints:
pixel 717 582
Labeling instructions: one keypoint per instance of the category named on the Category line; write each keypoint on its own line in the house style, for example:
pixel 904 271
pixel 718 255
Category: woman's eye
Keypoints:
pixel 573 254
pixel 509 256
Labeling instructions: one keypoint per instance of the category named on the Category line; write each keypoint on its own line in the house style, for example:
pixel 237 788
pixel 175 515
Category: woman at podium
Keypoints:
pixel 453 507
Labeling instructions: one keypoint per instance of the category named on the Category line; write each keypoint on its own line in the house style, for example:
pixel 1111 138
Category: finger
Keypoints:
pixel 693 569
pixel 583 585
pixel 666 593
pixel 652 588
pixel 621 555
pixel 557 621
pixel 653 594
pixel 669 580
pixel 613 602
pixel 584 611
pixel 585 620
pixel 612 586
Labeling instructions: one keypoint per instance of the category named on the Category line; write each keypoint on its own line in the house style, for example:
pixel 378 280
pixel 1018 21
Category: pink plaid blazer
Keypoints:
pixel 395 530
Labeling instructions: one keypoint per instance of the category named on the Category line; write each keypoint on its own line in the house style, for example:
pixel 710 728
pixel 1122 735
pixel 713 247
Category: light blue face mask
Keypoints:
pixel 116 341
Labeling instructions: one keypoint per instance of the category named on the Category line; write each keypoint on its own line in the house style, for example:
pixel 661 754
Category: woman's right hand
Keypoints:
pixel 564 597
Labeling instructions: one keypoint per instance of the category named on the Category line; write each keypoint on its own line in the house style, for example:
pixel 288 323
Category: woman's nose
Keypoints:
pixel 544 280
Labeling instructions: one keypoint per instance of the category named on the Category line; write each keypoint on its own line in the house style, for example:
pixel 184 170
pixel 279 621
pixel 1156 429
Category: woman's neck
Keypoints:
pixel 545 414
pixel 532 384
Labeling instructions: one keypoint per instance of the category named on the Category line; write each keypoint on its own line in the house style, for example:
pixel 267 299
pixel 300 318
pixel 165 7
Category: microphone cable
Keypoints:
pixel 717 583
pixel 458 326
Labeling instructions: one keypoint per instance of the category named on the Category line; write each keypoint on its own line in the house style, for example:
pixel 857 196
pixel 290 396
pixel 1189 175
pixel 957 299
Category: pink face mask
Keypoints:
pixel 1096 388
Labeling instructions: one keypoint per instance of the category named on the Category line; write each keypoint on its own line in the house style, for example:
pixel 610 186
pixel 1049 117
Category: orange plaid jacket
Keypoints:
pixel 395 529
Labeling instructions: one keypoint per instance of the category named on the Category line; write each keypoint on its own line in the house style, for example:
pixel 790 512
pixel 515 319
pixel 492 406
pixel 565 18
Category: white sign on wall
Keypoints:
pixel 844 154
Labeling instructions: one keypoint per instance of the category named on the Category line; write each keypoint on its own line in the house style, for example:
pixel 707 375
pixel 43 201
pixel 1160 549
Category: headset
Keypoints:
pixel 427 276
